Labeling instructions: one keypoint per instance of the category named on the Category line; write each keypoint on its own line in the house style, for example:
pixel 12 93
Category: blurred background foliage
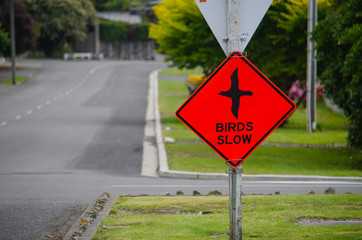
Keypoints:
pixel 104 5
pixel 61 22
pixel 121 31
pixel 25 37
pixel 339 46
pixel 183 34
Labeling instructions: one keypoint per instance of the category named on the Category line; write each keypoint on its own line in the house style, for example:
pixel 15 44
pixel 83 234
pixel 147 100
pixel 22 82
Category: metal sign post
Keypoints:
pixel 235 206
pixel 235 178
pixel 233 136
pixel 311 68
pixel 250 15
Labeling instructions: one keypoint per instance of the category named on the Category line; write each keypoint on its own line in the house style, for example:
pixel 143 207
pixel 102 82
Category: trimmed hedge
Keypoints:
pixel 112 31
pixel 120 31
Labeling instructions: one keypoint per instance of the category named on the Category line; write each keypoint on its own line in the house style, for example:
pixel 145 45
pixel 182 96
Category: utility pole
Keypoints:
pixel 96 38
pixel 311 68
pixel 12 33
pixel 235 179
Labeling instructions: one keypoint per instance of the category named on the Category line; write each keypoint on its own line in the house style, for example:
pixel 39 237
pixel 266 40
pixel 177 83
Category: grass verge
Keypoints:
pixel 18 79
pixel 264 217
pixel 180 72
pixel 267 160
pixel 324 159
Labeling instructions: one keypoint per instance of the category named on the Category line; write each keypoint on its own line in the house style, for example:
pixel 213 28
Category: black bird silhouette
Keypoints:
pixel 235 93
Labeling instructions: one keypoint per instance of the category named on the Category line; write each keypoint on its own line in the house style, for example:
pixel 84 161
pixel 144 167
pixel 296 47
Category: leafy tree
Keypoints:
pixel 24 27
pixel 61 21
pixel 339 47
pixel 183 34
pixel 4 41
pixel 278 47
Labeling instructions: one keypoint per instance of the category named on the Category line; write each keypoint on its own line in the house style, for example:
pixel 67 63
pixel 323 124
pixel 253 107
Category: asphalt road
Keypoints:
pixel 69 120
pixel 74 131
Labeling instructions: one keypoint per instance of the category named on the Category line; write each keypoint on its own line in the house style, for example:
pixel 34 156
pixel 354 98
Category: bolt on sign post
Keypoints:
pixel 237 107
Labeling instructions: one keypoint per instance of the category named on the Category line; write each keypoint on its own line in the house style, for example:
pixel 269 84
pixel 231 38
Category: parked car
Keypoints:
pixel 194 81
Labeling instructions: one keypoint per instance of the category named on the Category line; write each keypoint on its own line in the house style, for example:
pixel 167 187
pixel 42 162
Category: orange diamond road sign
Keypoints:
pixel 235 109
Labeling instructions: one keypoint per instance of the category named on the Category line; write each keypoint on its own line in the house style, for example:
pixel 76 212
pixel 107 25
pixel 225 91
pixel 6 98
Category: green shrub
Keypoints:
pixel 112 31
pixel 4 40
pixel 120 31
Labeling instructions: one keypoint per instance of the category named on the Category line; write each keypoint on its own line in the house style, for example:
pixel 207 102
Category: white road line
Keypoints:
pixel 18 117
pixel 39 107
pixel 48 102
pixel 3 124
pixel 29 112
pixel 54 99
pixel 61 95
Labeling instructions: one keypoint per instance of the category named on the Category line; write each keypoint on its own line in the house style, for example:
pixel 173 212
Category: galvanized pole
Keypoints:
pixel 235 207
pixel 311 68
pixel 233 25
pixel 234 44
pixel 12 33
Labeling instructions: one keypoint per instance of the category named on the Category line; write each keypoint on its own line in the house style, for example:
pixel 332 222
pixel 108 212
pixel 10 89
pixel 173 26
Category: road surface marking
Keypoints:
pixel 48 102
pixel 29 112
pixel 3 123
pixel 18 117
pixel 39 107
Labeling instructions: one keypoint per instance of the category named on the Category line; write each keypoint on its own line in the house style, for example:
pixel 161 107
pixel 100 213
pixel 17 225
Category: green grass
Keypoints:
pixel 264 217
pixel 180 72
pixel 327 160
pixel 267 160
pixel 18 79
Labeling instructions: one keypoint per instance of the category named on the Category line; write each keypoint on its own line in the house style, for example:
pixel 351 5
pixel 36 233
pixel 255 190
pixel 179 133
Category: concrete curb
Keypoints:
pixel 93 226
pixel 163 170
pixel 149 155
